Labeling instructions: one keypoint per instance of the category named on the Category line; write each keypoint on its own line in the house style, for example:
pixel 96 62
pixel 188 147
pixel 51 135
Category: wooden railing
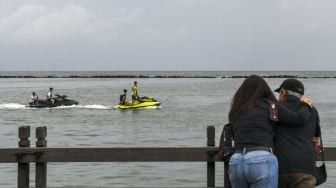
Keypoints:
pixel 41 155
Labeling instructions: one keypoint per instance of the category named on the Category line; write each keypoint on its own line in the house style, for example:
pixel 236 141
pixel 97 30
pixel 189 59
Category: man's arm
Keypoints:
pixel 293 118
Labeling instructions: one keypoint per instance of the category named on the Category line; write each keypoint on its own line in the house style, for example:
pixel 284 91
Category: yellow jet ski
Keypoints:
pixel 143 102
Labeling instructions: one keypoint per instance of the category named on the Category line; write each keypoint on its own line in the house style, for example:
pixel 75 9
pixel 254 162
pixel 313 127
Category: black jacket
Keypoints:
pixel 254 128
pixel 294 146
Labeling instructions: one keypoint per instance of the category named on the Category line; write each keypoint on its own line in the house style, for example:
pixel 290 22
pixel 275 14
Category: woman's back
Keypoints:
pixel 254 127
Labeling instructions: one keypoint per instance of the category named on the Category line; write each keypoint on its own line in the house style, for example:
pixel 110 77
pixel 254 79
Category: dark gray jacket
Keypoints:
pixel 294 146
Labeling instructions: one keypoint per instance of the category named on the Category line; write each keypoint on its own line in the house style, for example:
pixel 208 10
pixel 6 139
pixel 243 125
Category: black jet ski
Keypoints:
pixel 60 100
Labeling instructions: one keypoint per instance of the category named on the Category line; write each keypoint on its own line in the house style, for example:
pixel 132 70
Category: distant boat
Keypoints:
pixel 61 100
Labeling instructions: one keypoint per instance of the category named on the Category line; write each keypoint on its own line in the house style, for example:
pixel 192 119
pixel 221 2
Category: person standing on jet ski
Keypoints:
pixel 135 95
pixel 34 98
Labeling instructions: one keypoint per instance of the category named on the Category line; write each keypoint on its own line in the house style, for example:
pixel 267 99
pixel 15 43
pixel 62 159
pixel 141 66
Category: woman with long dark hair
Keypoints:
pixel 253 164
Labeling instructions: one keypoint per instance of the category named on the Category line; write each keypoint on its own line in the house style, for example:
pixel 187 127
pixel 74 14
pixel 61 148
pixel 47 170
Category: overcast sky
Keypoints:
pixel 130 35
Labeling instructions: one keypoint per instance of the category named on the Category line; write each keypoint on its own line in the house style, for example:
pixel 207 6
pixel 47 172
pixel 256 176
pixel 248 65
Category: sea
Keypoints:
pixel 191 101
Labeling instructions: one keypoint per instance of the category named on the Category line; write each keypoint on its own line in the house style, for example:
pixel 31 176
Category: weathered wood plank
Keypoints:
pixel 330 154
pixel 107 154
pixel 125 154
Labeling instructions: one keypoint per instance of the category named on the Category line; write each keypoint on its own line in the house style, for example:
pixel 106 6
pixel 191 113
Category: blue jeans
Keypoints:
pixel 255 169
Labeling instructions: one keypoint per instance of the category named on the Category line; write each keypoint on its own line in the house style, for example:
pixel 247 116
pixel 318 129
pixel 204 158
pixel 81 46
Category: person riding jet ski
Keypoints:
pixel 34 98
pixel 123 98
pixel 50 96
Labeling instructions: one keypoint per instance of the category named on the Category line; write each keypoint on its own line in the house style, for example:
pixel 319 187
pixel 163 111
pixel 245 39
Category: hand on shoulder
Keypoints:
pixel 307 100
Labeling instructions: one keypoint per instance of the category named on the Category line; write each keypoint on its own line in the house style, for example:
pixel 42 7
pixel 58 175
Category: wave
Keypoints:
pixel 12 106
pixel 21 106
pixel 152 107
pixel 17 106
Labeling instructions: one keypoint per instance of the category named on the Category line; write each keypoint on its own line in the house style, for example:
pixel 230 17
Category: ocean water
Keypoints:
pixel 189 105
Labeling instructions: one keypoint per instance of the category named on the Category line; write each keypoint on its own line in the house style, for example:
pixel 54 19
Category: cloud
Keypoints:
pixel 40 24
pixel 161 34
pixel 164 23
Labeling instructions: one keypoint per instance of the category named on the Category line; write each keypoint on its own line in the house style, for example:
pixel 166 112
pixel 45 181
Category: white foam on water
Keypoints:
pixel 12 106
pixel 152 107
pixel 95 106
pixel 64 107
pixel 21 106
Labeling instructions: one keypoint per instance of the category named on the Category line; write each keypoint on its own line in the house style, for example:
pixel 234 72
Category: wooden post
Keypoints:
pixel 211 165
pixel 228 144
pixel 23 168
pixel 41 168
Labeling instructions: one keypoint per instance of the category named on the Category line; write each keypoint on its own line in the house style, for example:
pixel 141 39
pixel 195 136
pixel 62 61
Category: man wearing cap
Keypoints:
pixel 295 145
